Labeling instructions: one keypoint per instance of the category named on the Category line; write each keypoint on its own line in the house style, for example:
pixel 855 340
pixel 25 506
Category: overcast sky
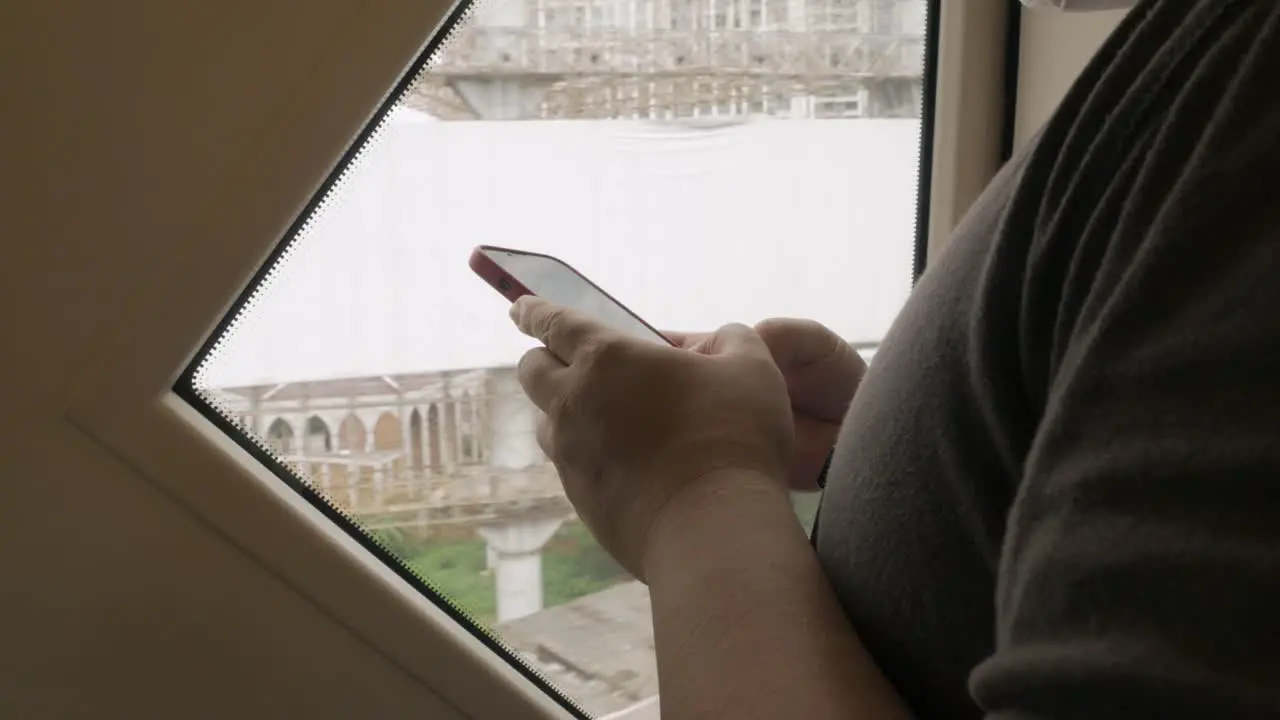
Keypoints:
pixel 690 227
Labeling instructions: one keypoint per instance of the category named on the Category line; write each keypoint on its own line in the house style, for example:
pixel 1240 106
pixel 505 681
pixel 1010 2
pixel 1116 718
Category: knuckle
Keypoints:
pixel 604 353
pixel 553 323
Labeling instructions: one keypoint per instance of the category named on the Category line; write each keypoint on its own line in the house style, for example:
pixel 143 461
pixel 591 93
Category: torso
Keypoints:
pixel 934 452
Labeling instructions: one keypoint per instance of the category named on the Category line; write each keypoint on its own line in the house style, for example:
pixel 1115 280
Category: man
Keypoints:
pixel 1057 492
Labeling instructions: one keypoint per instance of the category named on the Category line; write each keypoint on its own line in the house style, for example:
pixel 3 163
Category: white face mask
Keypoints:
pixel 1082 5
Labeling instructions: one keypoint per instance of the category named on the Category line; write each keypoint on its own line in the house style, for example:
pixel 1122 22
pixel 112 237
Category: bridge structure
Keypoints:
pixel 423 452
pixel 678 59
pixel 384 494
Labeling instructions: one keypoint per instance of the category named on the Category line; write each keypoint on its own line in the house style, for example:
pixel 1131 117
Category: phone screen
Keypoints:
pixel 553 280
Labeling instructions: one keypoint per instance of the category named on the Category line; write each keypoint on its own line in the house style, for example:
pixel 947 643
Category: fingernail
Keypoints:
pixel 516 306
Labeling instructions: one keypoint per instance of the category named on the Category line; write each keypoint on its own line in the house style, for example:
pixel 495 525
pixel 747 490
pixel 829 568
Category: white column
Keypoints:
pixel 797 14
pixel 379 485
pixel 496 98
pixel 517 548
pixel 406 436
pixel 448 434
pixel 797 11
pixel 513 425
pixel 463 429
pixel 354 477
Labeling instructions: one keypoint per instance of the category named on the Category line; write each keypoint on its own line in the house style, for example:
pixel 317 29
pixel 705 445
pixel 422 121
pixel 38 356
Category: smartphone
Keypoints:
pixel 516 273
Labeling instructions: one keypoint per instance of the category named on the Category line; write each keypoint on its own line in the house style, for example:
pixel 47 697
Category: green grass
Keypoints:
pixel 573 565
pixel 456 569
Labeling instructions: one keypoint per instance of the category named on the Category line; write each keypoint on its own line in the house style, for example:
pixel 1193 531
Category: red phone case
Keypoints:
pixel 512 289
pixel 498 279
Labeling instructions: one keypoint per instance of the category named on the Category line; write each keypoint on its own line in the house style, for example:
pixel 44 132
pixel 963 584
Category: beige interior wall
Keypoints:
pixel 155 152
pixel 1055 47
pixel 969 110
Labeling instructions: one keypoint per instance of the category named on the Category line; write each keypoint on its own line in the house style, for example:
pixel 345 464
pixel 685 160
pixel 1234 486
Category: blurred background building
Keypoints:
pixel 675 59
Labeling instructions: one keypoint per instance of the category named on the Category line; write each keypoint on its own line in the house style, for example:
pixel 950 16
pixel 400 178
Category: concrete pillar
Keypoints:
pixel 449 435
pixel 797 15
pixel 406 437
pixel 379 485
pixel 502 99
pixel 797 12
pixel 496 98
pixel 801 106
pixel 517 551
pixel 255 417
pixel 512 425
pixel 460 458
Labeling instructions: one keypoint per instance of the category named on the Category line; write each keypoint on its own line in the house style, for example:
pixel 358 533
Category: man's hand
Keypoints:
pixel 636 429
pixel 677 462
pixel 822 372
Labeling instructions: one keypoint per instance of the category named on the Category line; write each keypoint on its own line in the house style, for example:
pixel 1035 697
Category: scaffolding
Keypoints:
pixel 666 59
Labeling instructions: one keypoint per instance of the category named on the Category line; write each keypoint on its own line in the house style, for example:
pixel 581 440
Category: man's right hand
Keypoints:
pixel 822 373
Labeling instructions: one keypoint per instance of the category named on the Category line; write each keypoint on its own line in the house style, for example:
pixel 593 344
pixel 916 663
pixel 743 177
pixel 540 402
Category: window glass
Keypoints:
pixel 705 161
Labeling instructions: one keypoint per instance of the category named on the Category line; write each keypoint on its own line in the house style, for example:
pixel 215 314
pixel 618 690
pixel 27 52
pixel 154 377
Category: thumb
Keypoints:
pixel 798 344
pixel 685 340
pixel 736 339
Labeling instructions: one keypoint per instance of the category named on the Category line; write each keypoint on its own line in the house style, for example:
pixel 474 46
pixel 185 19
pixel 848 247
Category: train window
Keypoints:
pixel 706 161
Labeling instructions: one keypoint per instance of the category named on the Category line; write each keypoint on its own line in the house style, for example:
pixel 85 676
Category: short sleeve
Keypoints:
pixel 1140 570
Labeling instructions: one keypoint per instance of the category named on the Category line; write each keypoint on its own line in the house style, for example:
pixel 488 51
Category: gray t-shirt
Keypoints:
pixel 1057 492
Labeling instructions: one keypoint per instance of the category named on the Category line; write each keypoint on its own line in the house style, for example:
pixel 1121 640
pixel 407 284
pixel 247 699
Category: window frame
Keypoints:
pixel 126 401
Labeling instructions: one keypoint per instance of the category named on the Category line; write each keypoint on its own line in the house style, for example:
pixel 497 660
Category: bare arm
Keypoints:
pixel 746 624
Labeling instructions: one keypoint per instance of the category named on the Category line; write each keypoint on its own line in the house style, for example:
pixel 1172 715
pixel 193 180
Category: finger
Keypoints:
pixel 567 334
pixel 543 377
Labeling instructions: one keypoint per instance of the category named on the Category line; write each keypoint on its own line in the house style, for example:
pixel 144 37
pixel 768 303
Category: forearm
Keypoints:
pixel 746 625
